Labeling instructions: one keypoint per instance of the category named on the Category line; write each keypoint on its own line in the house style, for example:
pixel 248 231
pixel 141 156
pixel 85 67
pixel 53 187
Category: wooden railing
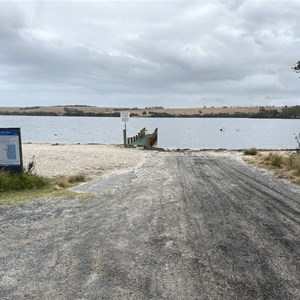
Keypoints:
pixel 133 139
pixel 142 139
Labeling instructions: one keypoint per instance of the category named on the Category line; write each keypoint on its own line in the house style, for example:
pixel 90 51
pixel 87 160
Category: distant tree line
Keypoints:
pixel 28 113
pixel 154 107
pixel 137 108
pixel 74 112
pixel 74 105
pixel 292 112
pixel 29 107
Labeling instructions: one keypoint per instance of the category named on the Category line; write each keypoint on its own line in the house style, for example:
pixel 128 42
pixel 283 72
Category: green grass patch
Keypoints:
pixel 18 182
pixel 21 188
pixel 20 197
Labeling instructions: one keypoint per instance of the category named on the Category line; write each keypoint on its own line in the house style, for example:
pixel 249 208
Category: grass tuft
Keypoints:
pixel 251 151
pixel 275 159
pixel 293 164
pixel 286 166
pixel 80 177
pixel 65 182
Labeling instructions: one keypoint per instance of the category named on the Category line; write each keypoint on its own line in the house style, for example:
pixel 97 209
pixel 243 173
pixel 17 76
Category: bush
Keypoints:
pixel 293 164
pixel 275 159
pixel 17 182
pixel 252 151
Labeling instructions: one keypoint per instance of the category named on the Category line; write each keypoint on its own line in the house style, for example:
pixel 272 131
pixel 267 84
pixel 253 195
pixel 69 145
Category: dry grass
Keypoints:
pixel 285 165
pixel 293 164
pixel 68 181
pixel 80 177
pixel 275 159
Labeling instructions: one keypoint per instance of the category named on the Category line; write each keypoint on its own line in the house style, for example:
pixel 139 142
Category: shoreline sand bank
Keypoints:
pixel 93 160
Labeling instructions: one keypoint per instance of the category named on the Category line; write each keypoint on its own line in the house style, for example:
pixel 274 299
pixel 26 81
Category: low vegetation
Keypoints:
pixel 262 112
pixel 274 159
pixel 285 165
pixel 20 188
pixel 66 182
pixel 251 151
pixel 18 182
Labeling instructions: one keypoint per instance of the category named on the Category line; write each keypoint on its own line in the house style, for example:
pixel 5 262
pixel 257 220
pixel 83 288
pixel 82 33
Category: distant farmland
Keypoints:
pixel 81 110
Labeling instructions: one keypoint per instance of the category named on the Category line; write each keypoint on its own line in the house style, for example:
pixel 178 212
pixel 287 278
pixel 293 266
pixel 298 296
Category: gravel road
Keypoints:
pixel 183 226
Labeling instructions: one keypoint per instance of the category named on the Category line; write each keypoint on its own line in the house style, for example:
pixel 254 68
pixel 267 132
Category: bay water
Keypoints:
pixel 173 133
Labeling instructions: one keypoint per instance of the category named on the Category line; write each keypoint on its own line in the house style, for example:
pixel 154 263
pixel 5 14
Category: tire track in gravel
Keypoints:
pixel 219 181
pixel 182 227
pixel 275 199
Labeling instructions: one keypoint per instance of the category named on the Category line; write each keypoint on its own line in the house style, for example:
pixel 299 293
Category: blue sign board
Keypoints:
pixel 11 150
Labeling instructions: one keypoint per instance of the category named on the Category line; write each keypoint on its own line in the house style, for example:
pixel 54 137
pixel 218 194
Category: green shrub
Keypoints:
pixel 17 182
pixel 252 151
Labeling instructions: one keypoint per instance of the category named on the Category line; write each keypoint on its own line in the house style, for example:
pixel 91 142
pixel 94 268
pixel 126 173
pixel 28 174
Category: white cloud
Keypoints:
pixel 171 53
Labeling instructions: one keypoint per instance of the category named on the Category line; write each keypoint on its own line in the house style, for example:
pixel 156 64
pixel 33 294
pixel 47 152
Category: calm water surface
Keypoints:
pixel 193 133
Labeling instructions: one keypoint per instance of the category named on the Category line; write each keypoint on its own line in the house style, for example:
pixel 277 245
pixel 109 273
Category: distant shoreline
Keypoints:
pixel 161 149
pixel 262 112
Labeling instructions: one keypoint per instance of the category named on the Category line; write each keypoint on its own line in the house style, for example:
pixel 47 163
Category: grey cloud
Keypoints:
pixel 220 51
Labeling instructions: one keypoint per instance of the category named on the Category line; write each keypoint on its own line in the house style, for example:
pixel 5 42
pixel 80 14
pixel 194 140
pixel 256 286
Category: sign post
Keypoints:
pixel 125 115
pixel 11 150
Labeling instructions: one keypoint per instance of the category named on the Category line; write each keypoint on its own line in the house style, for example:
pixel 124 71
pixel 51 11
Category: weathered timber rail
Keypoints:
pixel 142 139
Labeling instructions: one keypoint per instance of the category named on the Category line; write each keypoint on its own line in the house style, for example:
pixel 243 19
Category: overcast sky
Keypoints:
pixel 146 53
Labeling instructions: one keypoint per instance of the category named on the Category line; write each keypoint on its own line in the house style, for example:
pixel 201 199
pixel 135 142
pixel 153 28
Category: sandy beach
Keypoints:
pixel 93 160
pixel 97 160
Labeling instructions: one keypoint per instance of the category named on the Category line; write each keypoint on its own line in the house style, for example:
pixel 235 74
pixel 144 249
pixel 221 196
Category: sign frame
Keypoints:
pixel 125 116
pixel 11 141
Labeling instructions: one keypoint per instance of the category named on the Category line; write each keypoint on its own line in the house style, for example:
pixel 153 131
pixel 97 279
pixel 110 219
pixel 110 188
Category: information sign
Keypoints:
pixel 11 149
pixel 125 115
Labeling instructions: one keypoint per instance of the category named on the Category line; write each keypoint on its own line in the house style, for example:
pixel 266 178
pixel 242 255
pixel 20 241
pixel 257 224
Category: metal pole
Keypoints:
pixel 125 136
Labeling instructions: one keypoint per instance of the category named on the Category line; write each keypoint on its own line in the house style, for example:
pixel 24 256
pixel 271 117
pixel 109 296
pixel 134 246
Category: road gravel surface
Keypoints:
pixel 183 226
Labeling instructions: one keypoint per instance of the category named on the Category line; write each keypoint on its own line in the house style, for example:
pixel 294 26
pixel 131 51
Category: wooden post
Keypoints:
pixel 124 136
pixel 146 143
pixel 153 138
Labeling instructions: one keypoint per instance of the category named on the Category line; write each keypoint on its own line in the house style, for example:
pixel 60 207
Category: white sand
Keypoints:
pixel 96 160
pixel 93 160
